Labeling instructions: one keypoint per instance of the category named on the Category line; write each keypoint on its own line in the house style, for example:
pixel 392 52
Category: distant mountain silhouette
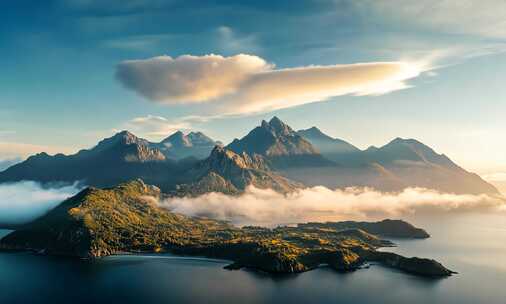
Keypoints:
pixel 334 149
pixel 194 144
pixel 394 166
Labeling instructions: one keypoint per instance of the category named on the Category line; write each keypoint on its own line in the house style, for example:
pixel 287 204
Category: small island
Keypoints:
pixel 127 219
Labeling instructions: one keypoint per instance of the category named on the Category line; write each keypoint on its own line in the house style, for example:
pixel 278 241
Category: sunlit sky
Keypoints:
pixel 366 71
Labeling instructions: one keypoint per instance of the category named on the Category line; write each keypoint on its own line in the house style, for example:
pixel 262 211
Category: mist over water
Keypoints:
pixel 269 208
pixel 468 235
pixel 25 201
pixel 472 244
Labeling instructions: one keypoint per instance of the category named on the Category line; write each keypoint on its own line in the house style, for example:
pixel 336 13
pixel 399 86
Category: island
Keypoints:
pixel 128 219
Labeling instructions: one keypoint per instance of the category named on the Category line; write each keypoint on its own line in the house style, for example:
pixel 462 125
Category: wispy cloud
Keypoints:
pixel 137 42
pixel 248 84
pixel 231 42
pixel 468 17
pixel 267 207
pixel 9 150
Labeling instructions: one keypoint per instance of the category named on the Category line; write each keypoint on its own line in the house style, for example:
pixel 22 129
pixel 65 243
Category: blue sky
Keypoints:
pixel 60 89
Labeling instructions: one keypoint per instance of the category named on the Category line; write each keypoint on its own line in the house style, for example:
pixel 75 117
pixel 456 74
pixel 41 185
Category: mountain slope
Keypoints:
pixel 334 149
pixel 124 157
pixel 228 172
pixel 419 165
pixel 399 164
pixel 113 160
pixel 280 145
pixel 326 144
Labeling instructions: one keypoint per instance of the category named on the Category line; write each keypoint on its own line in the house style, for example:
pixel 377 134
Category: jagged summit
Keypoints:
pixel 194 144
pixel 277 127
pixel 222 159
pixel 271 139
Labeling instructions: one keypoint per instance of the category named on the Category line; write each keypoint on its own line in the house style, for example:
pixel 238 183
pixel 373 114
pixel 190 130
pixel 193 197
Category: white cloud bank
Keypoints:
pixel 23 202
pixel 267 207
pixel 247 83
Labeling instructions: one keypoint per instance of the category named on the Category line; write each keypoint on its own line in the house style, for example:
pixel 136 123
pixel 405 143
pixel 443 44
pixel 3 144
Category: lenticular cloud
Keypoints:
pixel 244 83
pixel 267 207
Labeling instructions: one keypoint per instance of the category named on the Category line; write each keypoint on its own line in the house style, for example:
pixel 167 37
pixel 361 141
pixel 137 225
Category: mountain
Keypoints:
pixel 228 172
pixel 126 218
pixel 280 145
pixel 326 144
pixel 334 149
pixel 399 164
pixel 419 165
pixel 116 159
pixel 194 144
pixel 124 157
pixel 113 160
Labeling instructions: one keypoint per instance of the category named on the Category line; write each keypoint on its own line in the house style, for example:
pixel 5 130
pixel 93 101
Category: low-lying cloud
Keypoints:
pixel 269 208
pixel 248 84
pixel 23 202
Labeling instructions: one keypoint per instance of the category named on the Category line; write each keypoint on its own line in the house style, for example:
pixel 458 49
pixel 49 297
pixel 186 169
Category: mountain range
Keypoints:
pixel 399 164
pixel 272 155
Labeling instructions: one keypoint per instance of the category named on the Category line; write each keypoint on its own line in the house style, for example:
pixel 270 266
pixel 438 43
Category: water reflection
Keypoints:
pixel 473 245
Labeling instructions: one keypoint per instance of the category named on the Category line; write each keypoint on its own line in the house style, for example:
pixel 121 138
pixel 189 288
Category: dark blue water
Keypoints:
pixel 475 246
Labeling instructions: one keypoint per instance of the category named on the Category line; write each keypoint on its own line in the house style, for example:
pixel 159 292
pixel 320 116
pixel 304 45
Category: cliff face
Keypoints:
pixel 228 172
pixel 126 218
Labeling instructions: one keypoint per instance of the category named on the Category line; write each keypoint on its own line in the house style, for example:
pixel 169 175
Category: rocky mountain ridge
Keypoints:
pixel 271 155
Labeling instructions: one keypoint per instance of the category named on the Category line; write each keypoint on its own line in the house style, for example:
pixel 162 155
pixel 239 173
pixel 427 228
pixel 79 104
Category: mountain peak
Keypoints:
pixel 125 136
pixel 276 120
pixel 120 138
pixel 314 133
pixel 277 127
pixel 180 145
pixel 281 145
pixel 177 139
pixel 410 141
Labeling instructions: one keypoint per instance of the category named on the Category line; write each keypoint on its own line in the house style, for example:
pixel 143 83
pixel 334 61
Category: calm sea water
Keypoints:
pixel 473 245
